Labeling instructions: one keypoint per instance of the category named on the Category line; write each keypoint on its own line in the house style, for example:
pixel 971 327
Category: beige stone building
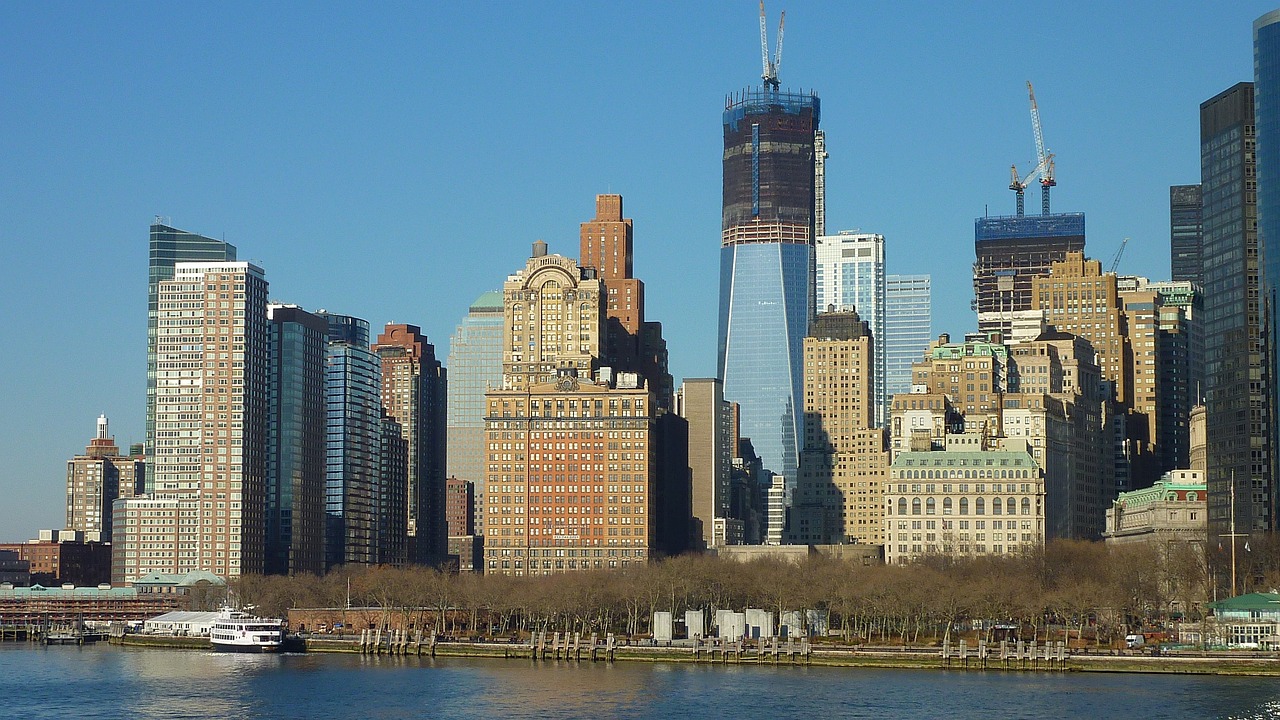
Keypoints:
pixel 1170 512
pixel 1078 298
pixel 965 500
pixel 844 459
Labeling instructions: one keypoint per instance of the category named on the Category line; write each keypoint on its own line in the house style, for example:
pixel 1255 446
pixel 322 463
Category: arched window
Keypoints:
pixel 946 506
pixel 1192 497
pixel 980 506
pixel 915 506
pixel 930 507
pixel 902 506
pixel 964 506
pixel 1026 506
pixel 996 506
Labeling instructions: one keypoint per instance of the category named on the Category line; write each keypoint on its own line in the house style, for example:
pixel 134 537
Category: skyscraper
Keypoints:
pixel 1238 447
pixel 209 462
pixel 766 263
pixel 353 441
pixel 1266 64
pixel 414 393
pixel 631 343
pixel 849 275
pixel 1186 233
pixel 710 456
pixel 838 497
pixel 549 427
pixel 295 442
pixel 908 303
pixel 475 365
pixel 1011 251
pixel 170 246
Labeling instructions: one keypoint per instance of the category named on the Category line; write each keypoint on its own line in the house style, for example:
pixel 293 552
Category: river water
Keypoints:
pixel 112 682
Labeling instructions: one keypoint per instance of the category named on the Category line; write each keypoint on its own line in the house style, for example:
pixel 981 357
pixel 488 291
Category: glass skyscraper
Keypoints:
pixel 1186 233
pixel 1237 448
pixel 475 365
pixel 295 441
pixel 353 430
pixel 908 328
pixel 170 246
pixel 766 264
pixel 849 275
pixel 1266 64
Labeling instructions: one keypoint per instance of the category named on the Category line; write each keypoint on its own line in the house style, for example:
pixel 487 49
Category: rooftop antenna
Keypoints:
pixel 770 69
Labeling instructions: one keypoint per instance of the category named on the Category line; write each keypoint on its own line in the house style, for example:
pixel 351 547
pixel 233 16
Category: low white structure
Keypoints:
pixel 195 624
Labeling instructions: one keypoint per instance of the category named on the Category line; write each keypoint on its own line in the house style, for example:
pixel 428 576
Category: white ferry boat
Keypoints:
pixel 234 631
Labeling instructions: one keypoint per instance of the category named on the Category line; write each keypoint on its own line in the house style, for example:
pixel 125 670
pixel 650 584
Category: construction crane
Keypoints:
pixel 1046 175
pixel 1115 261
pixel 1019 185
pixel 770 69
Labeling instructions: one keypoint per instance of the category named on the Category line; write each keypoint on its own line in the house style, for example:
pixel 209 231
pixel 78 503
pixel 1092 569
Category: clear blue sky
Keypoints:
pixel 395 160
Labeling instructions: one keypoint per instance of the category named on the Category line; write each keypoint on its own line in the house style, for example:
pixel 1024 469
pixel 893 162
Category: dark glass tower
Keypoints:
pixel 1186 233
pixel 170 246
pixel 1236 412
pixel 353 429
pixel 766 264
pixel 1266 67
pixel 295 442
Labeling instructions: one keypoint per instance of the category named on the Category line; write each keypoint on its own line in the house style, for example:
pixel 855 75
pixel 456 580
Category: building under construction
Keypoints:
pixel 1011 250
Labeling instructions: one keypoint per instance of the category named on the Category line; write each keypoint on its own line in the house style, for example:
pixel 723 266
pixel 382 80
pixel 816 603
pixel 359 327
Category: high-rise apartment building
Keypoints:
pixel 209 464
pixel 839 493
pixel 414 393
pixel 1186 233
pixel 766 264
pixel 1011 252
pixel 1239 450
pixel 353 442
pixel 1266 64
pixel 96 479
pixel 168 247
pixel 1078 298
pixel 571 465
pixel 701 403
pixel 849 275
pixel 475 365
pixel 908 304
pixel 295 441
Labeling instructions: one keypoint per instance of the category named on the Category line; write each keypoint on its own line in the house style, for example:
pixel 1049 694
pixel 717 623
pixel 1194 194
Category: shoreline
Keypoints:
pixel 1224 665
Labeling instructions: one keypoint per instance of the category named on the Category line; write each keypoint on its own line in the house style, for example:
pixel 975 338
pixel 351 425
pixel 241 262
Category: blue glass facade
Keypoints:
pixel 765 309
pixel 908 328
pixel 475 365
pixel 353 443
pixel 1266 64
pixel 767 264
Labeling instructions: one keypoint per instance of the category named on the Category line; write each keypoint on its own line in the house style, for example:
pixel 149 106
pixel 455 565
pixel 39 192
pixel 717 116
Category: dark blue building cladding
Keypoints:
pixel 766 265
pixel 1266 97
pixel 295 442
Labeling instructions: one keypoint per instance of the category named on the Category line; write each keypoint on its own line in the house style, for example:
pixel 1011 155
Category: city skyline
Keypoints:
pixel 274 148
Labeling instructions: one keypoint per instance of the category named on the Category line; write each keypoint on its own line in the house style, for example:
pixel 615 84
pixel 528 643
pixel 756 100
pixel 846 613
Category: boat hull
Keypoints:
pixel 246 648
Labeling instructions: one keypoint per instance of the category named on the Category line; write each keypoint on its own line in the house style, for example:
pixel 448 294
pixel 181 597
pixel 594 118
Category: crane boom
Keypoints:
pixel 777 52
pixel 764 46
pixel 1115 261
pixel 1035 124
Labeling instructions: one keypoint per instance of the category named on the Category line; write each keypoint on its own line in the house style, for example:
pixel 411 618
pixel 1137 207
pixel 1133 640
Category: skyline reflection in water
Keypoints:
pixel 110 682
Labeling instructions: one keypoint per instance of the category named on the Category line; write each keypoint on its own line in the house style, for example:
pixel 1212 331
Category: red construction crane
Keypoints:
pixel 1046 159
pixel 770 69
